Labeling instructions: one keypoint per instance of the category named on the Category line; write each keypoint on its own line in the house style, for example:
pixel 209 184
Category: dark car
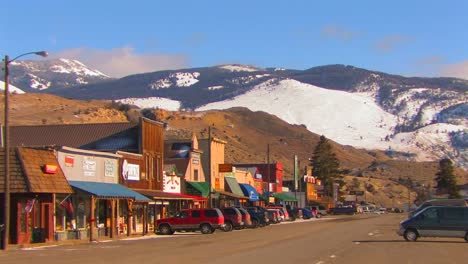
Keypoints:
pixel 206 220
pixel 306 213
pixel 436 221
pixel 232 219
pixel 258 216
pixel 340 210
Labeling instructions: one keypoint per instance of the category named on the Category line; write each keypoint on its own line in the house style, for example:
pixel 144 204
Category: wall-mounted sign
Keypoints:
pixel 225 167
pixel 89 167
pixel 195 161
pixel 69 161
pixel 51 169
pixel 130 172
pixel 109 168
pixel 171 184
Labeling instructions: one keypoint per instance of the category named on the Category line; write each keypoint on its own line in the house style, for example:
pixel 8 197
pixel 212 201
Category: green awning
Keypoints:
pixel 198 188
pixel 284 197
pixel 234 186
pixel 264 197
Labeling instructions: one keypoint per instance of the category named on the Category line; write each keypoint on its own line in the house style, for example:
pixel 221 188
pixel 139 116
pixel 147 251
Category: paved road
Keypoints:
pixel 344 239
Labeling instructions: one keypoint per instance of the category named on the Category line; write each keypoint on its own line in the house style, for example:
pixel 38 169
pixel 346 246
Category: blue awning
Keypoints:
pixel 250 192
pixel 108 190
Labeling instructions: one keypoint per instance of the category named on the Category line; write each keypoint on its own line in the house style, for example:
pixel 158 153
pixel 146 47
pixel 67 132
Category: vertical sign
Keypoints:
pixel 296 178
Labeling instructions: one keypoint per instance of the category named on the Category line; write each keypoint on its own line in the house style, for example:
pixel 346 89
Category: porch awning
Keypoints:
pixel 108 190
pixel 198 188
pixel 218 194
pixel 165 196
pixel 233 186
pixel 250 192
pixel 284 197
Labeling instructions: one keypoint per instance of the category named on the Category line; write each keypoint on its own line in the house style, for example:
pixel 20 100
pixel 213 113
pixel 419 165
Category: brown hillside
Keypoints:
pixel 247 133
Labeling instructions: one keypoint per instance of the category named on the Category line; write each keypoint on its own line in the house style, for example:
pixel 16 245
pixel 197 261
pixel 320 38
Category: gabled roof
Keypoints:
pixel 72 135
pixel 33 161
pixel 17 178
pixel 26 172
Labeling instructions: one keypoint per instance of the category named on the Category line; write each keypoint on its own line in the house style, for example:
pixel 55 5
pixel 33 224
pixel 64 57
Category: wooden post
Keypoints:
pixel 112 219
pixel 92 220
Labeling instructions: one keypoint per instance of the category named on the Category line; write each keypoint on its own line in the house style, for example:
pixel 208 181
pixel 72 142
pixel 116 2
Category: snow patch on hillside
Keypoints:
pixel 216 87
pixel 238 68
pixel 181 79
pixel 153 102
pixel 11 88
pixel 349 119
pixel 38 83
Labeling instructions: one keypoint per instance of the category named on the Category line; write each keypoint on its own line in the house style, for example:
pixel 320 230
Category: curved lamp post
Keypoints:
pixel 6 215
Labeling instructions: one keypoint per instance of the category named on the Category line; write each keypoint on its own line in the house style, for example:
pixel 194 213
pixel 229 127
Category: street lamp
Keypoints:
pixel 6 215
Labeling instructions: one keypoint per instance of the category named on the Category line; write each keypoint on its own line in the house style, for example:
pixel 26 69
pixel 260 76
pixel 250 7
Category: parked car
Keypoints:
pixel 319 209
pixel 284 213
pixel 306 213
pixel 245 217
pixel 274 216
pixel 206 220
pixel 232 219
pixel 441 202
pixel 436 221
pixel 258 216
pixel 349 210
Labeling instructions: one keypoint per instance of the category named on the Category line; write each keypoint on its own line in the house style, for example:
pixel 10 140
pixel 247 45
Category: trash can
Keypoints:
pixel 38 235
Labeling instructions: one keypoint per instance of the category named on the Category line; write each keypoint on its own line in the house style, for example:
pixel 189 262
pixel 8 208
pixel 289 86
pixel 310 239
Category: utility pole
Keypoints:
pixel 268 170
pixel 210 203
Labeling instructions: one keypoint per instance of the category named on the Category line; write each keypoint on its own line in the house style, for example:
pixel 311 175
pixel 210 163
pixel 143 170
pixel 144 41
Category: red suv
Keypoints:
pixel 206 220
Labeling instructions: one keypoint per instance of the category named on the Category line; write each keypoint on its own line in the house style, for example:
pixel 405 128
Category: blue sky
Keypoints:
pixel 423 38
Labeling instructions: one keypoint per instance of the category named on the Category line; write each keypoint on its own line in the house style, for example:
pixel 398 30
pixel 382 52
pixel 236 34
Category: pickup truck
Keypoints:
pixel 349 210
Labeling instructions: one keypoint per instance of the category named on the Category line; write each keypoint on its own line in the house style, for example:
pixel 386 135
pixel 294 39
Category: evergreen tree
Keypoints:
pixel 325 165
pixel 445 178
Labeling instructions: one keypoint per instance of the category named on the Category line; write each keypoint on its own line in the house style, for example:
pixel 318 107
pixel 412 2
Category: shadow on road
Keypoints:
pixel 406 242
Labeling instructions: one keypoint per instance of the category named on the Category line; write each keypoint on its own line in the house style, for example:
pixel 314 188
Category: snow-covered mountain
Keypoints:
pixel 31 76
pixel 11 88
pixel 419 118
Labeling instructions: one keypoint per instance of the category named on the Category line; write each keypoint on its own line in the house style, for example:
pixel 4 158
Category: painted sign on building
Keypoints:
pixel 69 161
pixel 171 184
pixel 130 172
pixel 89 167
pixel 109 168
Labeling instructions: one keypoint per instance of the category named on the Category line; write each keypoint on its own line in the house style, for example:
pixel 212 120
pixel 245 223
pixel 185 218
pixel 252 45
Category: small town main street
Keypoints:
pixel 340 239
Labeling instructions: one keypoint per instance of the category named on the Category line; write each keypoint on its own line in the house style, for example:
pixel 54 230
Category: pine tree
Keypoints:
pixel 325 165
pixel 445 178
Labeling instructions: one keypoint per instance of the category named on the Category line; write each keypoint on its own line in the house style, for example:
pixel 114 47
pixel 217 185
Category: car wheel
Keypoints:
pixel 205 229
pixel 410 235
pixel 254 223
pixel 466 237
pixel 227 227
pixel 165 230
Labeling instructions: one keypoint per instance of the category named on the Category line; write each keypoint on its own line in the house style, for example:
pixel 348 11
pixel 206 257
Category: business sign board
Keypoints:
pixel 225 167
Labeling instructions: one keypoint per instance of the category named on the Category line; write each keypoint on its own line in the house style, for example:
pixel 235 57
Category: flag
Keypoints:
pixel 67 204
pixel 29 205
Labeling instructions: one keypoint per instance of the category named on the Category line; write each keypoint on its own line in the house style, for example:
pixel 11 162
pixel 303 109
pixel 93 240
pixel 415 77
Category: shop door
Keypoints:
pixel 47 220
pixel 24 225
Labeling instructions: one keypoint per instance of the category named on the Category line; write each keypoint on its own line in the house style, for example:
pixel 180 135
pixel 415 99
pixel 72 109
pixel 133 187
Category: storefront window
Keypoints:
pixel 22 217
pixel 60 218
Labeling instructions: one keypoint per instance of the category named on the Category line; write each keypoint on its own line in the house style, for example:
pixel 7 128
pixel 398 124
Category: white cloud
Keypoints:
pixel 120 62
pixel 338 32
pixel 390 42
pixel 458 70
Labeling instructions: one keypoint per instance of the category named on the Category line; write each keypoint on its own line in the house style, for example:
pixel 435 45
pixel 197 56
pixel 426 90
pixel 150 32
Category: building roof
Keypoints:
pixel 33 162
pixel 18 182
pixel 91 136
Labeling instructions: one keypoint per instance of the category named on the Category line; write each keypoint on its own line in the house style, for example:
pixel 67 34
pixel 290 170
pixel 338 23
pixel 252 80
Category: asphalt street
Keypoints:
pixel 340 239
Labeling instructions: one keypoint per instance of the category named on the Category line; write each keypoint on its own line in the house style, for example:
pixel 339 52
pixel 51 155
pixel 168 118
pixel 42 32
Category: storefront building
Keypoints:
pixel 100 207
pixel 36 181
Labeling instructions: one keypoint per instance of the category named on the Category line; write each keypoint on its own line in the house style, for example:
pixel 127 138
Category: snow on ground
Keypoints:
pixel 181 79
pixel 428 143
pixel 11 88
pixel 238 68
pixel 216 87
pixel 350 119
pixel 153 102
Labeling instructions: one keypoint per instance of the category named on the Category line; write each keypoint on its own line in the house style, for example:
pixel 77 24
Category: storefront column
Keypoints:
pixel 112 219
pixel 129 217
pixel 91 219
pixel 145 218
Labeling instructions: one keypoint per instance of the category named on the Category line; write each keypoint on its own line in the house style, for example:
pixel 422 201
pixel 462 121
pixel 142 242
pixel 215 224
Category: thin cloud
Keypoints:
pixel 457 70
pixel 390 42
pixel 339 33
pixel 120 62
pixel 430 60
pixel 196 39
